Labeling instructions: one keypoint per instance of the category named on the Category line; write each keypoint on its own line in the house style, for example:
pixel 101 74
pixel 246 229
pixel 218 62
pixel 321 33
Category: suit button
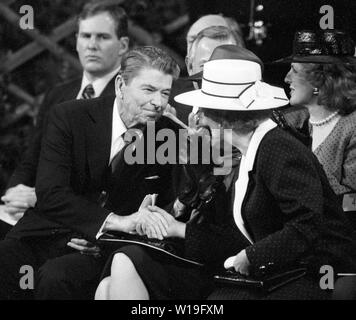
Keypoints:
pixel 54 231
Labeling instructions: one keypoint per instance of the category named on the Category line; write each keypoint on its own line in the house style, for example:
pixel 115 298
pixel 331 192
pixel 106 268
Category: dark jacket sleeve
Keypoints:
pixel 291 176
pixel 57 199
pixel 212 243
pixel 214 237
pixel 26 171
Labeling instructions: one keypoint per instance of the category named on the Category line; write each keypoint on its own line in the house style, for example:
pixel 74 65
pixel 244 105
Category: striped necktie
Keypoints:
pixel 88 92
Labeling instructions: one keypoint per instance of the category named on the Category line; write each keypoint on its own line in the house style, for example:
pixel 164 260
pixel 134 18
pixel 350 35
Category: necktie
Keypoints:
pixel 121 144
pixel 88 92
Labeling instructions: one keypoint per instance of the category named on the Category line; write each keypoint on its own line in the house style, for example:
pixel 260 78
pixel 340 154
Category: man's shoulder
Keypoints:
pixel 72 84
pixel 63 91
pixel 77 107
pixel 68 83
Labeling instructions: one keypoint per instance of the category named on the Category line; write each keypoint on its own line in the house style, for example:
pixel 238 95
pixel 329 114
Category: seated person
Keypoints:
pixel 85 185
pixel 276 208
pixel 326 86
pixel 101 42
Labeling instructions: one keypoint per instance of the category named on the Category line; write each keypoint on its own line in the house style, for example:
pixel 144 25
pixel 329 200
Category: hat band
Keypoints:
pixel 227 96
pixel 230 83
pixel 218 96
pixel 220 89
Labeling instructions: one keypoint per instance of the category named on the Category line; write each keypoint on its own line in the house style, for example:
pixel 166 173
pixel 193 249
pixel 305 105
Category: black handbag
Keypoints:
pixel 262 280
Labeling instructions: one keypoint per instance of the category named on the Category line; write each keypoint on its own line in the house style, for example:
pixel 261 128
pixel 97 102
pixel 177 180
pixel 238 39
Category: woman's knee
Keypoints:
pixel 122 264
pixel 102 292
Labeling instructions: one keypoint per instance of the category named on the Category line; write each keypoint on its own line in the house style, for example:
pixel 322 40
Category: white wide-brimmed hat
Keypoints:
pixel 234 84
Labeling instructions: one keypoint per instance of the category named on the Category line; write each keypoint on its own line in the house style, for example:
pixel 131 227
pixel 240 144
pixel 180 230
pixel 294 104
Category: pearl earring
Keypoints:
pixel 316 91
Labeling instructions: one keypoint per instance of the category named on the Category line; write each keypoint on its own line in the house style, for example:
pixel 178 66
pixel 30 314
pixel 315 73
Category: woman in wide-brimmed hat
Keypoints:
pixel 274 210
pixel 283 205
pixel 322 78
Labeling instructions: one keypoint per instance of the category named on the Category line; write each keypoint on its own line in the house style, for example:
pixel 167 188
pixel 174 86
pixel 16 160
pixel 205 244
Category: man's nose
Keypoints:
pixel 157 101
pixel 92 44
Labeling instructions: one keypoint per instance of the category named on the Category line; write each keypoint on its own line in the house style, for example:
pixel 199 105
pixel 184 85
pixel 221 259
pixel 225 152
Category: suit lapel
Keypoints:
pixel 98 133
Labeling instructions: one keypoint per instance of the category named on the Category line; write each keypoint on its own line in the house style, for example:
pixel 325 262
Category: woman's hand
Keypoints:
pixel 175 227
pixel 239 262
pixel 149 222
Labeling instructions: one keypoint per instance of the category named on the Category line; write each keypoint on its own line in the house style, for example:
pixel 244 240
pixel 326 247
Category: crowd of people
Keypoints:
pixel 285 200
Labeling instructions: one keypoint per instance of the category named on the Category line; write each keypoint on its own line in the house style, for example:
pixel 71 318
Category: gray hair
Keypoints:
pixel 147 57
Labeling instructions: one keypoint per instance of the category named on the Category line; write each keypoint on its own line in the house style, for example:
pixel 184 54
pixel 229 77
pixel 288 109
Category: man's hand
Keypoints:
pixel 239 262
pixel 84 247
pixel 153 224
pixel 121 223
pixel 18 199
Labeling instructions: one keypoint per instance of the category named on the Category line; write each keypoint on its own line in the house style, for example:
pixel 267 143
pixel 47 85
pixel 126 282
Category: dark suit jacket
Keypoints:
pixel 73 170
pixel 289 210
pixel 25 173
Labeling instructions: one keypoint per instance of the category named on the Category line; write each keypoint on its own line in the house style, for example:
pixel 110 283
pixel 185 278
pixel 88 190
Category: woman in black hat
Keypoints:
pixel 322 78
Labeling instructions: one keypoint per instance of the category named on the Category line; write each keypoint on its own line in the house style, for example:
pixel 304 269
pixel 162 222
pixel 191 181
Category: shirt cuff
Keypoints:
pixel 100 233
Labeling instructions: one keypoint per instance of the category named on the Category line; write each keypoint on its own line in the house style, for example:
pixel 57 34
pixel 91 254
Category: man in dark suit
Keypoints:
pixel 101 41
pixel 85 185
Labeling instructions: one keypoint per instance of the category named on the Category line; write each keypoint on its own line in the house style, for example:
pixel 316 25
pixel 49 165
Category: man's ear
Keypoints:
pixel 124 45
pixel 119 83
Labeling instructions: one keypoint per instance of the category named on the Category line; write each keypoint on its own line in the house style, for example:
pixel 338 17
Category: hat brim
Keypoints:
pixel 197 98
pixel 316 59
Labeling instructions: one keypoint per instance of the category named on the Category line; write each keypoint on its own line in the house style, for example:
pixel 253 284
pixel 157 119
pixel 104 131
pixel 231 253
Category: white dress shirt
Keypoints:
pixel 117 143
pixel 98 84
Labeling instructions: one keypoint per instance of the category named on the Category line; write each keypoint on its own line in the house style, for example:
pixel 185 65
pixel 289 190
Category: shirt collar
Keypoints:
pixel 118 126
pixel 98 84
pixel 260 132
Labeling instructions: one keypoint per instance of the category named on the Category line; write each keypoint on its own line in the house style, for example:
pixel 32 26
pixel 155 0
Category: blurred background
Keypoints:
pixel 31 62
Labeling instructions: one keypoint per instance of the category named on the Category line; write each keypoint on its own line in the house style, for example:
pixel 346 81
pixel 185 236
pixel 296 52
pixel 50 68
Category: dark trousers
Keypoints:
pixel 59 271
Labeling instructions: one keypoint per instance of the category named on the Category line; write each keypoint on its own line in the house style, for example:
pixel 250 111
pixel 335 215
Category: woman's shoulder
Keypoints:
pixel 279 136
pixel 349 119
pixel 346 126
pixel 278 143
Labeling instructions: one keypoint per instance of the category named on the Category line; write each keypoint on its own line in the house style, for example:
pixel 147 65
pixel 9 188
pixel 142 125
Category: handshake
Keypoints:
pixel 149 220
pixel 155 222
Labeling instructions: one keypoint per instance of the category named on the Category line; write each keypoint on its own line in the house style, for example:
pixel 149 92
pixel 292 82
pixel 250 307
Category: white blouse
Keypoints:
pixel 246 165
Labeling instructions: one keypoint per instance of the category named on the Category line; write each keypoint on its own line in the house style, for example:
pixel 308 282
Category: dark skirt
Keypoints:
pixel 165 277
